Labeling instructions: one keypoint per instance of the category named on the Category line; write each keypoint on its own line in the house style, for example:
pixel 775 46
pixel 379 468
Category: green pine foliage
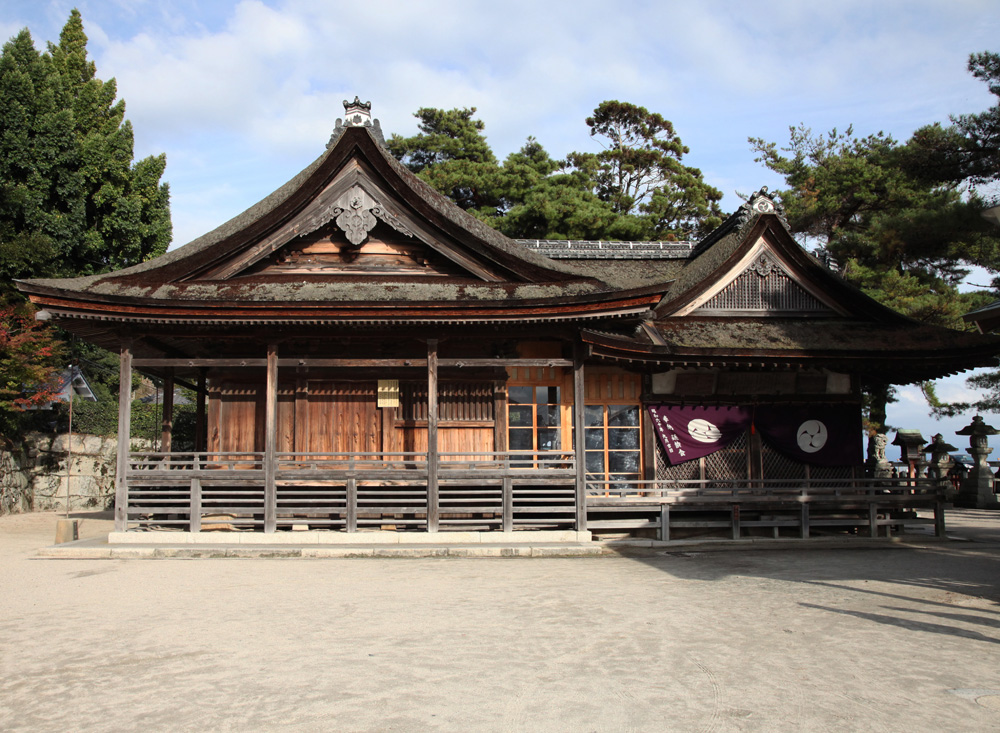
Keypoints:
pixel 903 219
pixel 637 188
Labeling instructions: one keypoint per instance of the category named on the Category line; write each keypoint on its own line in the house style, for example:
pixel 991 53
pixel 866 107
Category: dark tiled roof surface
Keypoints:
pixel 592 249
pixel 772 334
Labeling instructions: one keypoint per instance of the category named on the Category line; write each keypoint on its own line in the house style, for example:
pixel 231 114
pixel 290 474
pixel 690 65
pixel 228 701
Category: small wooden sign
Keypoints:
pixel 388 393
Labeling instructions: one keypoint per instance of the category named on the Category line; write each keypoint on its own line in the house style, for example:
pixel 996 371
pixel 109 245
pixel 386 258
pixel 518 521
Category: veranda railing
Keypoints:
pixel 348 491
pixel 775 503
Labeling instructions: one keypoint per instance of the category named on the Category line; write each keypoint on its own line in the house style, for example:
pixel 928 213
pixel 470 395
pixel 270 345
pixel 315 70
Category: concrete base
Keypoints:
pixel 67 530
pixel 258 539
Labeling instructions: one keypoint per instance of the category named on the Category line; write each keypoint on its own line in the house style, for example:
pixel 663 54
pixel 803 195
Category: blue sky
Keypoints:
pixel 243 95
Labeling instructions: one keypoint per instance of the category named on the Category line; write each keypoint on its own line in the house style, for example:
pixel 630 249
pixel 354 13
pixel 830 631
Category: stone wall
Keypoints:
pixel 36 479
pixel 15 495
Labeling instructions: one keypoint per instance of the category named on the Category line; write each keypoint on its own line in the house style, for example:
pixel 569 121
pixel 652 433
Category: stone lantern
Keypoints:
pixel 977 487
pixel 911 451
pixel 940 463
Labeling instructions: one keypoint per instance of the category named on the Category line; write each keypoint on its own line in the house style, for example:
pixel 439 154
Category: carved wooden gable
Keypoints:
pixel 763 284
pixel 354 226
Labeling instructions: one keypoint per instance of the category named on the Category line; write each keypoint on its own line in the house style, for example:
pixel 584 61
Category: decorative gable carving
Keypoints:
pixel 338 233
pixel 764 287
pixel 356 213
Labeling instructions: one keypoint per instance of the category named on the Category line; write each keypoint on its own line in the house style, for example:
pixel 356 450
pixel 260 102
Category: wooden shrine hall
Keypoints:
pixel 367 356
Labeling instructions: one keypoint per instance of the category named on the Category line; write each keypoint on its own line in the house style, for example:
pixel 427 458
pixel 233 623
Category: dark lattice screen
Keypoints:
pixel 777 465
pixel 730 463
pixel 688 471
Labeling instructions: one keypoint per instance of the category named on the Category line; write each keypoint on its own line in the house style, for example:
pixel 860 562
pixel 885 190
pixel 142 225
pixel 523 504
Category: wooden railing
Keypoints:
pixel 773 504
pixel 351 491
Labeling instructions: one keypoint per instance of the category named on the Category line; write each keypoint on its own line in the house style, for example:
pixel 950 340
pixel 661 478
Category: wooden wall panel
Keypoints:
pixel 343 417
pixel 451 440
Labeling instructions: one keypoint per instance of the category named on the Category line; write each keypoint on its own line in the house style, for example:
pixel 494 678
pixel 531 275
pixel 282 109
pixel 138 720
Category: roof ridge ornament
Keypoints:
pixel 758 204
pixel 357 114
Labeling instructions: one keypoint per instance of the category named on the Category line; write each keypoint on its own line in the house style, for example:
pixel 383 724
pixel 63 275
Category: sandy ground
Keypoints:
pixel 903 638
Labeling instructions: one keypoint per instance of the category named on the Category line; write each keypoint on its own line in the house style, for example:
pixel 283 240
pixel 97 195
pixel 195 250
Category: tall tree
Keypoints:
pixel 641 172
pixel 905 239
pixel 41 187
pixel 71 200
pixel 532 195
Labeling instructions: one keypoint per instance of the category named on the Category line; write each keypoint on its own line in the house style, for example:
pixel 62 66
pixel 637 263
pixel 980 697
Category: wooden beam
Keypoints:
pixel 167 416
pixel 141 363
pixel 124 436
pixel 579 449
pixel 352 363
pixel 271 440
pixel 433 510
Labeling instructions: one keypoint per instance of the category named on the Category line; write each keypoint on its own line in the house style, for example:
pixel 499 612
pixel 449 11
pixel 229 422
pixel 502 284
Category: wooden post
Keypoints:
pixel 665 522
pixel 200 424
pixel 939 528
pixel 195 516
pixel 271 440
pixel 167 416
pixel 872 519
pixel 579 450
pixel 508 500
pixel 433 510
pixel 500 417
pixel 735 511
pixel 804 521
pixel 352 504
pixel 124 436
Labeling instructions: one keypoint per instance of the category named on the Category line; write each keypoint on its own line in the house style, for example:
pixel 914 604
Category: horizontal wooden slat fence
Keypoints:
pixel 351 491
pixel 741 504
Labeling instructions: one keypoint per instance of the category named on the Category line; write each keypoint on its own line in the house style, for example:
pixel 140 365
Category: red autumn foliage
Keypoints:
pixel 28 359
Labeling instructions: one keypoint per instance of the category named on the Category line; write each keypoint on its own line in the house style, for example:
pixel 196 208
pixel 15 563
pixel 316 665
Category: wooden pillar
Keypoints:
pixel 200 424
pixel 579 449
pixel 195 515
pixel 271 440
pixel 939 526
pixel 433 510
pixel 648 447
pixel 351 490
pixel 500 416
pixel 124 436
pixel 167 416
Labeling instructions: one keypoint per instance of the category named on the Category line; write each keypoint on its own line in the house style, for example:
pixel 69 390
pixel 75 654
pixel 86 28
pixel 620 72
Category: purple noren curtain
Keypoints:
pixel 687 433
pixel 823 435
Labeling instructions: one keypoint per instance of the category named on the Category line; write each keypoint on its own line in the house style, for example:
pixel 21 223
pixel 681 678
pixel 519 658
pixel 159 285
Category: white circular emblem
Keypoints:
pixel 811 436
pixel 703 431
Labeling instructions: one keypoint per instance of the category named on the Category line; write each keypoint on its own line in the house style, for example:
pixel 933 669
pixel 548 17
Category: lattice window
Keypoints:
pixel 764 287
